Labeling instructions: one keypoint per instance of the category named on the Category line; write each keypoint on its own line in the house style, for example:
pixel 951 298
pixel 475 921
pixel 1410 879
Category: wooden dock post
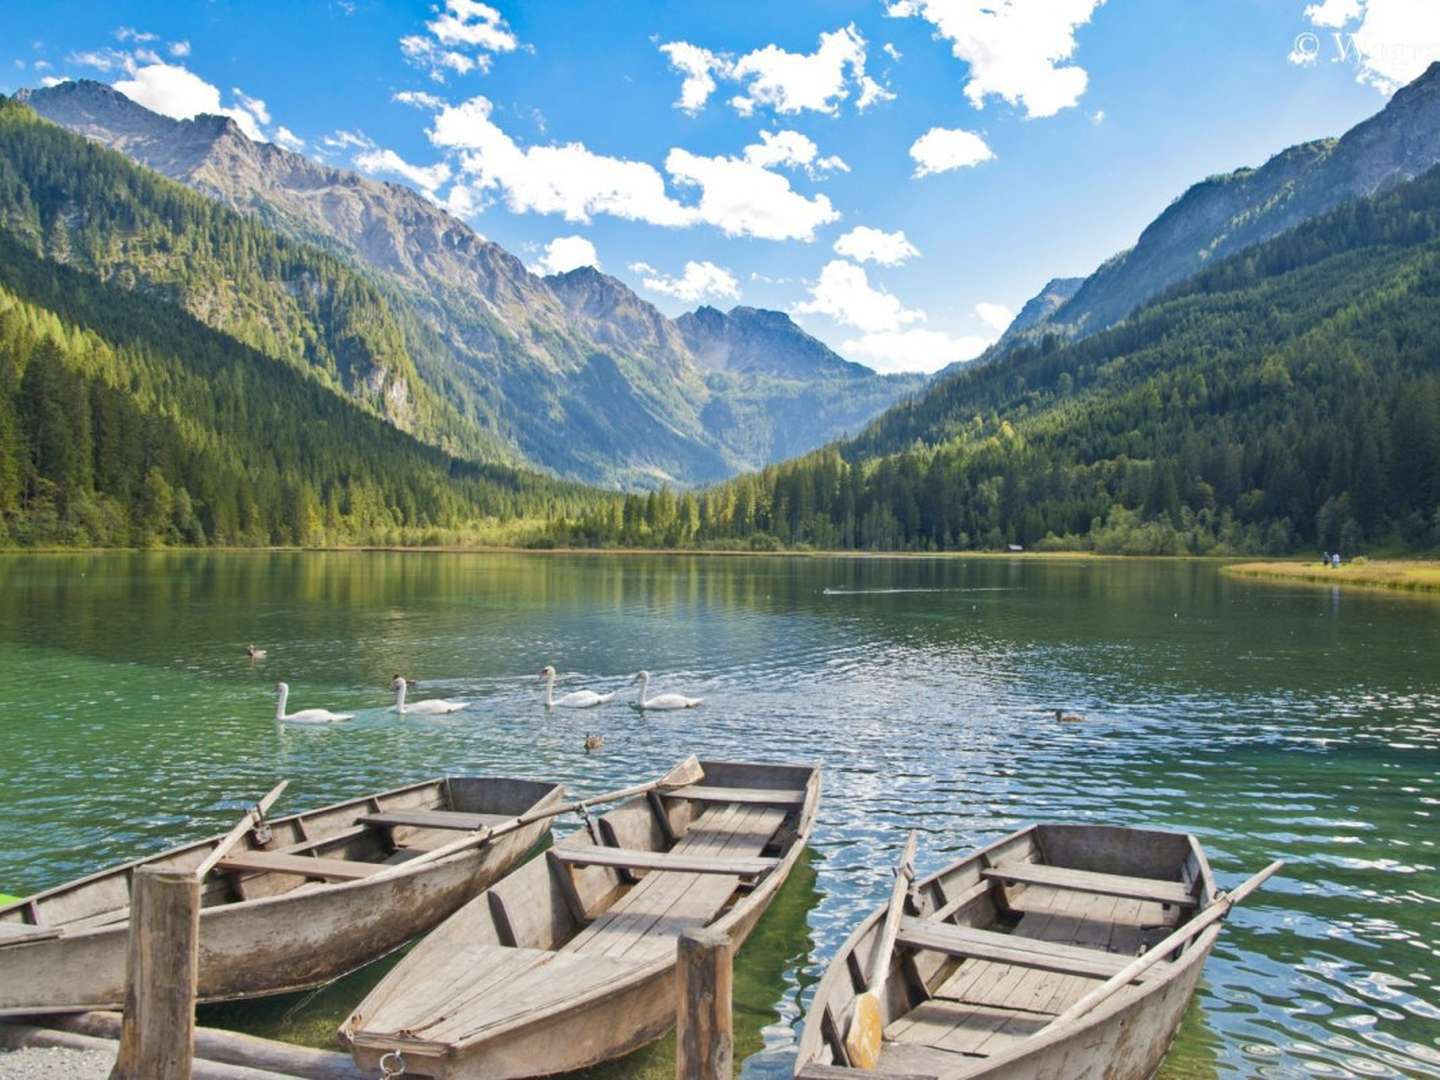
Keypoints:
pixel 704 1041
pixel 157 1035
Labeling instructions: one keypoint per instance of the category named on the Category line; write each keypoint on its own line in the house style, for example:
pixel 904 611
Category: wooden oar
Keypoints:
pixel 1126 975
pixel 686 773
pixel 867 1024
pixel 253 817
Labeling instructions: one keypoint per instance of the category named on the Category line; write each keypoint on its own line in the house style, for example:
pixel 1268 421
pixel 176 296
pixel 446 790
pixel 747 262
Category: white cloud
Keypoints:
pixel 642 268
pixel 420 99
pixel 566 179
pixel 892 52
pixel 995 316
pixel 388 163
pixel 175 91
pixel 742 198
pixel 699 66
pixel 286 138
pixel 700 279
pixel 463 37
pixel 180 49
pixel 101 59
pixel 784 81
pixel 52 80
pixel 125 33
pixel 790 148
pixel 1389 42
pixel 942 149
pixel 254 106
pixel 913 350
pixel 844 293
pixel 864 244
pixel 1097 117
pixel 38 65
pixel 736 194
pixel 348 140
pixel 1015 48
pixel 567 253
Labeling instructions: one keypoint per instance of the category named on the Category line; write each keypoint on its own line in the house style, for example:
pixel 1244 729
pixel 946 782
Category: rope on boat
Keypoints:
pixel 392 1064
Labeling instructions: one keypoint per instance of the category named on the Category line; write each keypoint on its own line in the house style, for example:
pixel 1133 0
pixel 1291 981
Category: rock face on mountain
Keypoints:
pixel 749 341
pixel 1223 214
pixel 575 372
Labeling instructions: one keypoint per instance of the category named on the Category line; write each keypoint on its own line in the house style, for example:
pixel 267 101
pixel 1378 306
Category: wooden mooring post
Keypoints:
pixel 157 1034
pixel 704 1039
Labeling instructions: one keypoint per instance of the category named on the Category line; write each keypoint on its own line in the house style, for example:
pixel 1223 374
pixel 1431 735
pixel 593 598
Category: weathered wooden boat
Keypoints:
pixel 301 900
pixel 570 960
pixel 1060 952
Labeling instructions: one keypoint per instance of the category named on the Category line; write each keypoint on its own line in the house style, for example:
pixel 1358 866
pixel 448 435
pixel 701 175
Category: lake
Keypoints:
pixel 1272 721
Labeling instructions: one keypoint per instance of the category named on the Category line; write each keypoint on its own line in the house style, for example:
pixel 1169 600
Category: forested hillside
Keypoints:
pixel 125 420
pixel 1287 399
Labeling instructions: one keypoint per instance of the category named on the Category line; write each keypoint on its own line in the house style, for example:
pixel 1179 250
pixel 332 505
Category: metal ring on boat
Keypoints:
pixel 386 1071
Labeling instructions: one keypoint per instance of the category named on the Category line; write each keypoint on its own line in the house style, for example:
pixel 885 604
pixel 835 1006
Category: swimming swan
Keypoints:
pixel 254 653
pixel 305 716
pixel 432 707
pixel 580 699
pixel 664 701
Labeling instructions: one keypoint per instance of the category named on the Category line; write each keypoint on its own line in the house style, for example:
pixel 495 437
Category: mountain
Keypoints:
pixel 1224 214
pixel 751 341
pixel 572 373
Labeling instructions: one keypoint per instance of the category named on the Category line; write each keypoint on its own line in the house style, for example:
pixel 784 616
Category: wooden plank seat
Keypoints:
pixel 762 796
pixel 684 863
pixel 300 865
pixel 15 933
pixel 1130 888
pixel 1011 949
pixel 432 819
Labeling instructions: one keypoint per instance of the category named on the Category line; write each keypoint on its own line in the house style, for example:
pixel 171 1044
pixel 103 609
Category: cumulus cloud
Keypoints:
pixel 1016 49
pixel 864 244
pixel 995 316
pixel 792 149
pixel 461 38
pixel 845 294
pixel 286 138
pixel 347 140
pixel 735 193
pixel 772 77
pixel 384 162
pixel 567 253
pixel 700 279
pixel 913 350
pixel 942 149
pixel 173 90
pixel 1389 42
pixel 52 80
pixel 101 59
pixel 179 49
pixel 420 99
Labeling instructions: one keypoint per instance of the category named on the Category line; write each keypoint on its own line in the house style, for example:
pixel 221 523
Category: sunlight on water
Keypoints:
pixel 1273 722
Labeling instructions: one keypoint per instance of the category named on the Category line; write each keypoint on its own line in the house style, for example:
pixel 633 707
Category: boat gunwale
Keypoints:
pixel 769 885
pixel 1197 950
pixel 401 871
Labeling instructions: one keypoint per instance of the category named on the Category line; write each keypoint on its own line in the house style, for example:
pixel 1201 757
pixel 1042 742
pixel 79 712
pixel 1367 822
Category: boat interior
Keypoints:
pixel 347 841
pixel 991 950
pixel 604 903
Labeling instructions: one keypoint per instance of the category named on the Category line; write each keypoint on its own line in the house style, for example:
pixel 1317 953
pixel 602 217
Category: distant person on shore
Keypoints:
pixel 1335 560
pixel 1325 559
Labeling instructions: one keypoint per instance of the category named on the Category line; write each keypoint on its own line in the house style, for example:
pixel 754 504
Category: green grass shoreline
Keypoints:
pixel 1410 576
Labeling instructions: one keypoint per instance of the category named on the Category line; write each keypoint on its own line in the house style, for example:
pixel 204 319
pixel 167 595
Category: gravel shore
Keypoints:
pixel 51 1063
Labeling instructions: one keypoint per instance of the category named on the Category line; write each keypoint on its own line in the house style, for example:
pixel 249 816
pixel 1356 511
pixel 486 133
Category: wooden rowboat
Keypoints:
pixel 570 960
pixel 326 892
pixel 992 952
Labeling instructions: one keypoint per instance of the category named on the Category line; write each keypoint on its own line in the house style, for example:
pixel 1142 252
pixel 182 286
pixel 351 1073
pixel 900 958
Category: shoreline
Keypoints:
pixel 1413 576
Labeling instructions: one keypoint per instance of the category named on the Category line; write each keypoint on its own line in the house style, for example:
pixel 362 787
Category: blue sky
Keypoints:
pixel 1010 141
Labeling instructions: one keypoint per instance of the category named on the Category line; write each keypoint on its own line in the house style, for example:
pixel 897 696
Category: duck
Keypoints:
pixel 593 742
pixel 305 716
pixel 1068 718
pixel 663 701
pixel 579 699
pixel 429 707
pixel 254 653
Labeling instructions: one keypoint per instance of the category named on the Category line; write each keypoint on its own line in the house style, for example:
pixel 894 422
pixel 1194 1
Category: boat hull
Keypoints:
pixel 272 945
pixel 629 1013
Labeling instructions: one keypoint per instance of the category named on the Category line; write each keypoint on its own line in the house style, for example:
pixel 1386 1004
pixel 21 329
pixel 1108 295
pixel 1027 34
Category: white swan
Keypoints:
pixel 664 701
pixel 305 716
pixel 580 699
pixel 431 707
